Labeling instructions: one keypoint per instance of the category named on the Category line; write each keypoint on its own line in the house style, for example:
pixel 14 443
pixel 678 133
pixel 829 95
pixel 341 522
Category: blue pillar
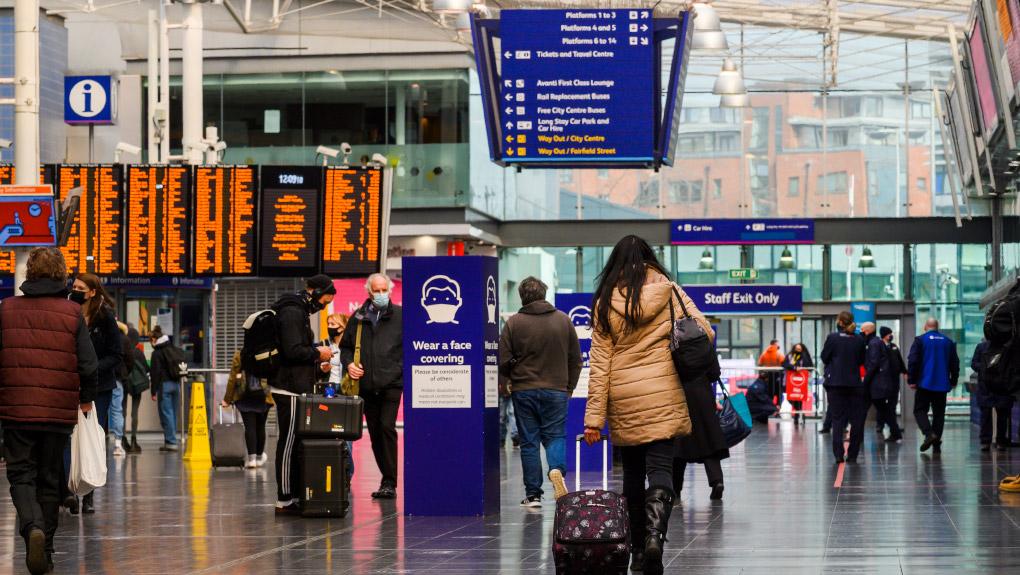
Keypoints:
pixel 578 307
pixel 451 359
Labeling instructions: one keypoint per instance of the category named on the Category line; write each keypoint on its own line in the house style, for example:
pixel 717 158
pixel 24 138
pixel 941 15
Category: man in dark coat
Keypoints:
pixel 297 373
pixel 882 370
pixel 380 371
pixel 988 401
pixel 48 371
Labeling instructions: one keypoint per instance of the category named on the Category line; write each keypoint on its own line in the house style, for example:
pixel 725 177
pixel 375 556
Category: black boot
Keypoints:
pixel 87 506
pixel 658 506
pixel 638 533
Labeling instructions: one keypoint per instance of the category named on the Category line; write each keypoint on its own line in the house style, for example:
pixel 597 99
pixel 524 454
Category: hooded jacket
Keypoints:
pixel 538 349
pixel 164 354
pixel 771 357
pixel 382 346
pixel 47 364
pixel 633 382
pixel 299 364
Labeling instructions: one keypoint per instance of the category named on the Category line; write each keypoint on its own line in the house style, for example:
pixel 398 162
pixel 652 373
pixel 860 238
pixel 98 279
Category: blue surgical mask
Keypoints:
pixel 380 300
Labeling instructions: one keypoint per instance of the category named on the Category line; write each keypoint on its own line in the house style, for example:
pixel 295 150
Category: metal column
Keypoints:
pixel 26 108
pixel 191 80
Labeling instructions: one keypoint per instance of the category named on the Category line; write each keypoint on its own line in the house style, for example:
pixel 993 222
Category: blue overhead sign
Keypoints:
pixel 747 299
pixel 576 86
pixel 746 232
pixel 88 99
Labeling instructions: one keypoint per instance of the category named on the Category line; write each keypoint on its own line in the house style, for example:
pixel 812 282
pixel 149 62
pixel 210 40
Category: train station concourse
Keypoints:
pixel 518 287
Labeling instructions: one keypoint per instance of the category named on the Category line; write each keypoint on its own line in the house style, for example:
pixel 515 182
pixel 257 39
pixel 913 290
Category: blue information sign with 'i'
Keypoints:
pixel 88 99
pixel 575 86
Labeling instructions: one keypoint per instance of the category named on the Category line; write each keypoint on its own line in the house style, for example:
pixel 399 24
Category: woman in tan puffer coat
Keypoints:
pixel 634 385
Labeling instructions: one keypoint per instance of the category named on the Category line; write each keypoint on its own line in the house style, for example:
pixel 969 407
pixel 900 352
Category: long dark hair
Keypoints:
pixel 99 302
pixel 805 356
pixel 626 270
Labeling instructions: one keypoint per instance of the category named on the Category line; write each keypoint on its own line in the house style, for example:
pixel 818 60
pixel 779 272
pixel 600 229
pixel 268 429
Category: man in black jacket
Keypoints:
pixel 48 371
pixel 299 368
pixel 380 369
pixel 882 369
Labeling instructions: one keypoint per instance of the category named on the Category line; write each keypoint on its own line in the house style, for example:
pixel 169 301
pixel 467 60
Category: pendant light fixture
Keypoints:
pixel 786 261
pixel 867 260
pixel 451 6
pixel 734 101
pixel 708 34
pixel 707 261
pixel 730 80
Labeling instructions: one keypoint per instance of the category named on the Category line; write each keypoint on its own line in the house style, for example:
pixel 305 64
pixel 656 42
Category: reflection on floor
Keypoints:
pixel 898 511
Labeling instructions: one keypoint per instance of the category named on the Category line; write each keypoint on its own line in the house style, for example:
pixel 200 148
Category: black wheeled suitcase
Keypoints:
pixel 591 531
pixel 321 417
pixel 324 478
pixel 226 443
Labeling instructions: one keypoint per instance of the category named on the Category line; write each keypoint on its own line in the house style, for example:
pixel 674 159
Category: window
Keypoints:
pixel 922 184
pixel 779 129
pixel 648 194
pixel 726 143
pixel 685 192
pixel 602 174
pixel 566 176
pixel 793 188
pixel 717 188
pixel 760 129
pixel 850 106
pixel 834 183
pixel 838 138
pixel 872 106
pixel 920 110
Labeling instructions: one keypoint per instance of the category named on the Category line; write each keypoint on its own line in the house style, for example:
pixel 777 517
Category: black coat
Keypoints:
pixel 759 402
pixel 843 356
pixel 299 364
pixel 881 370
pixel 382 347
pixel 106 339
pixel 985 398
pixel 706 440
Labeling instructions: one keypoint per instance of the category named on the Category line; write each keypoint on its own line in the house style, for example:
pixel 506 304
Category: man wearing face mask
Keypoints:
pixel 297 374
pixel 380 371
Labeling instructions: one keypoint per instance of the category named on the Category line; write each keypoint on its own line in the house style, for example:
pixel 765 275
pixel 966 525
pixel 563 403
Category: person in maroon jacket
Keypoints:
pixel 48 371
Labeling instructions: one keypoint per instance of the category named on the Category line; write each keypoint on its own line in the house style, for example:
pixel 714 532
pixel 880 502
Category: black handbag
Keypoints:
pixel 692 350
pixel 734 428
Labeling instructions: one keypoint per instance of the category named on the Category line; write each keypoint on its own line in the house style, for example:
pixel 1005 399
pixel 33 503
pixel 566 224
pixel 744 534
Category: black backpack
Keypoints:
pixel 260 353
pixel 1001 360
pixel 173 359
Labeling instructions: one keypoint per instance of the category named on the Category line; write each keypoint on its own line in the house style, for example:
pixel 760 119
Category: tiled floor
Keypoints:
pixel 898 511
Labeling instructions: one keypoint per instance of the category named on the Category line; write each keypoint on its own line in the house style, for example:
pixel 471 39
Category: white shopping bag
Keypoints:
pixel 88 454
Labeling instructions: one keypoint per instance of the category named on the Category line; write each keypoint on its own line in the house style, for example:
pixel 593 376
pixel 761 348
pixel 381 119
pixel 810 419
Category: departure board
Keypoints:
pixel 352 221
pixel 289 215
pixel 157 233
pixel 224 221
pixel 7 178
pixel 95 242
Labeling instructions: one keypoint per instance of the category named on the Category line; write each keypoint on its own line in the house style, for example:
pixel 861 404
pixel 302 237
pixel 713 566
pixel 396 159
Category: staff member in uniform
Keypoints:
pixel 843 356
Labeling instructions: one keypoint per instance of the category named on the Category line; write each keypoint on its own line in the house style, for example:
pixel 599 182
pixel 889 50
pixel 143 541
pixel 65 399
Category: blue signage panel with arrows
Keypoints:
pixel 575 86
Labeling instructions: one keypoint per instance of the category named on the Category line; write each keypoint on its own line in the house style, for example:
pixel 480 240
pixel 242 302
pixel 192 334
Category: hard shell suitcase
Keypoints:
pixel 591 531
pixel 323 478
pixel 321 417
pixel 226 443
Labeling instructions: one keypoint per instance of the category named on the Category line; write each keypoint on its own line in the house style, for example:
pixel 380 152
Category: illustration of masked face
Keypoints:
pixel 440 296
pixel 490 299
pixel 580 316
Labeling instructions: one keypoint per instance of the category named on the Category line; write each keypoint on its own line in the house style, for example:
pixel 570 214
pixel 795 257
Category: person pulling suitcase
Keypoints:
pixel 251 397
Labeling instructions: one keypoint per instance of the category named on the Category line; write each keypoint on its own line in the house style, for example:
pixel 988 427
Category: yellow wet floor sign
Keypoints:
pixel 197 449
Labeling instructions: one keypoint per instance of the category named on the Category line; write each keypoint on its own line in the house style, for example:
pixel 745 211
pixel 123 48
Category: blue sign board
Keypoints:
pixel 742 232
pixel 451 395
pixel 864 311
pixel 576 85
pixel 746 299
pixel 88 99
pixel 578 307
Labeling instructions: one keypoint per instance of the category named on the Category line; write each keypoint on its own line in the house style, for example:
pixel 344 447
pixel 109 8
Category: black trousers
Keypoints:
pixel 935 401
pixel 827 420
pixel 35 461
pixel 713 469
pixel 849 406
pixel 381 416
pixel 255 431
pixel 1001 425
pixel 136 400
pixel 652 460
pixel 288 472
pixel 885 414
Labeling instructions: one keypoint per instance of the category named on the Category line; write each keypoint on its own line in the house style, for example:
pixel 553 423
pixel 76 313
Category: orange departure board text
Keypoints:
pixel 352 221
pixel 7 178
pixel 95 242
pixel 289 243
pixel 224 221
pixel 157 220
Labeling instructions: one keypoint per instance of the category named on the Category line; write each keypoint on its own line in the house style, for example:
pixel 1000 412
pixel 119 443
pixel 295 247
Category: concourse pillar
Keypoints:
pixel 451 396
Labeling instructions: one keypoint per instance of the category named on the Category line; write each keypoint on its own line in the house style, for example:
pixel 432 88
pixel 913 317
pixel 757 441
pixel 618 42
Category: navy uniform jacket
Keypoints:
pixel 843 356
pixel 881 373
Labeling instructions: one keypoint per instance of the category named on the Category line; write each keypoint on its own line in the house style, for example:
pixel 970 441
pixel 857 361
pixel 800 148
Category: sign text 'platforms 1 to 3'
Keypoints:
pixel 571 84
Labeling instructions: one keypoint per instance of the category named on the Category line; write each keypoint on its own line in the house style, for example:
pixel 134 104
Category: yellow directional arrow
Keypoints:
pixel 509 139
pixel 509 151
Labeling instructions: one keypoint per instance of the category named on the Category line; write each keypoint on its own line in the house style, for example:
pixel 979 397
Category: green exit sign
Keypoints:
pixel 744 274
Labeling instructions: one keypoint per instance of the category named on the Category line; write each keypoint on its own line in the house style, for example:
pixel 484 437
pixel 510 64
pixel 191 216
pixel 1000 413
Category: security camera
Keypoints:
pixel 219 146
pixel 324 151
pixel 5 143
pixel 346 148
pixel 125 148
pixel 380 159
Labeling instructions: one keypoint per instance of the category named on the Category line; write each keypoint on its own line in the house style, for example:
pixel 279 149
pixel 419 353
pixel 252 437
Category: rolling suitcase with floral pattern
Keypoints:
pixel 591 532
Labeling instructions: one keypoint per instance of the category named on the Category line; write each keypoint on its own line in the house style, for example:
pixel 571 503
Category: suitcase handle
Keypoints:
pixel 233 413
pixel 605 462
